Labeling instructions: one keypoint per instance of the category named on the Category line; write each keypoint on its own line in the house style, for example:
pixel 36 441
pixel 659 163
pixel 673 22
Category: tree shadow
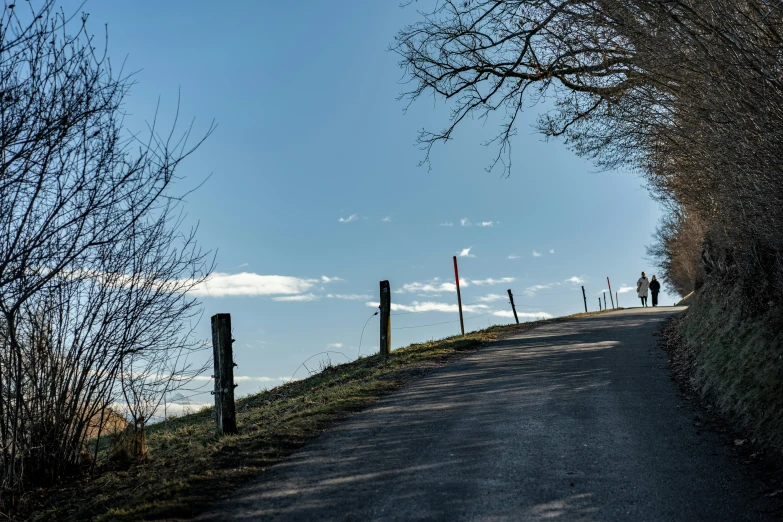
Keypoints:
pixel 570 421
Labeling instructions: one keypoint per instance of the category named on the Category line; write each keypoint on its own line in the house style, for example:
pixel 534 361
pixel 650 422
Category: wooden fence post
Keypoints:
pixel 617 298
pixel 605 301
pixel 513 308
pixel 610 291
pixel 599 304
pixel 584 296
pixel 222 351
pixel 459 297
pixel 385 319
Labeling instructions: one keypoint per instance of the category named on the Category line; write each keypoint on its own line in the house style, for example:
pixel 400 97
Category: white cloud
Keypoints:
pixel 177 403
pixel 552 251
pixel 334 345
pixel 512 256
pixel 300 297
pixel 489 298
pixel 432 306
pixel 246 283
pixel 172 409
pixel 536 315
pixel 536 254
pixel 625 288
pixel 491 281
pixel 431 287
pixel 436 286
pixel 531 290
pixel 242 265
pixel 465 252
pixel 245 378
pixel 465 222
pixel 387 219
pixel 486 224
pixel 349 297
pixel 352 217
pixel 523 315
pixel 249 284
pixel 446 224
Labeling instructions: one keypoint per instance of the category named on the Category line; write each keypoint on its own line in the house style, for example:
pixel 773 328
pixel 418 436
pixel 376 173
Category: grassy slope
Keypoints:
pixel 189 466
pixel 735 362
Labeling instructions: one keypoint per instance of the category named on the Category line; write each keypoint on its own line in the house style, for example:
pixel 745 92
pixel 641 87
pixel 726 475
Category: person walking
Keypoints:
pixel 642 285
pixel 655 287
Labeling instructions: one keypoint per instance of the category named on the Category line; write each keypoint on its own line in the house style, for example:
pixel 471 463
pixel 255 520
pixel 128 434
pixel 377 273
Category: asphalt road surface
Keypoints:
pixel 577 420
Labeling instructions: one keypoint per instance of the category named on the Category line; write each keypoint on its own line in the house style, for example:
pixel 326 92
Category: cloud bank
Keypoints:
pixel 436 286
pixel 432 306
pixel 287 288
pixel 246 283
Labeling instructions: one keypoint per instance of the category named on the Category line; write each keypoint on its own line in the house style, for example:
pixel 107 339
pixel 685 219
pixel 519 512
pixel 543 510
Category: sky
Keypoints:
pixel 309 192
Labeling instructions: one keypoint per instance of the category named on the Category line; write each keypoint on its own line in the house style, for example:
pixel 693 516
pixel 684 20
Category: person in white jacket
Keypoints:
pixel 642 285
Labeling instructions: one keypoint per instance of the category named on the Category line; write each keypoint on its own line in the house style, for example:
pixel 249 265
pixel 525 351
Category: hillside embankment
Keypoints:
pixel 734 360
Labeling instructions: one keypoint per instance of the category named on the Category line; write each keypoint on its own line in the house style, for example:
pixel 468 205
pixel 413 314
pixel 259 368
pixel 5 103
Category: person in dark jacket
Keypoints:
pixel 655 287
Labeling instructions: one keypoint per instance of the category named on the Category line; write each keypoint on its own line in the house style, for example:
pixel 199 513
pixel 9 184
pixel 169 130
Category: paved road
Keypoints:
pixel 571 421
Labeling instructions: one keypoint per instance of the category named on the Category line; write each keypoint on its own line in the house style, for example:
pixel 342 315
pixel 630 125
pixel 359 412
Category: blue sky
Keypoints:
pixel 313 177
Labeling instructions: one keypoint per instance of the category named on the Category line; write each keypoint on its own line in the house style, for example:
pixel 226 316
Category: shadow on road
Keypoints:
pixel 571 421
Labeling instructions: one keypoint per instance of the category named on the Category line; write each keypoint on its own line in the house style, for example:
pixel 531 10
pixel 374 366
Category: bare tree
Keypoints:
pixel 93 271
pixel 677 248
pixel 688 93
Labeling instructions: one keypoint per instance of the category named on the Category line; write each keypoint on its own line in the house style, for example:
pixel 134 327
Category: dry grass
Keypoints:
pixel 189 467
pixel 685 301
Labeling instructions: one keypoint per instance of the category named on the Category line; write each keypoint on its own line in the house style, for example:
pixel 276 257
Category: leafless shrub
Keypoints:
pixel 94 274
pixel 678 249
